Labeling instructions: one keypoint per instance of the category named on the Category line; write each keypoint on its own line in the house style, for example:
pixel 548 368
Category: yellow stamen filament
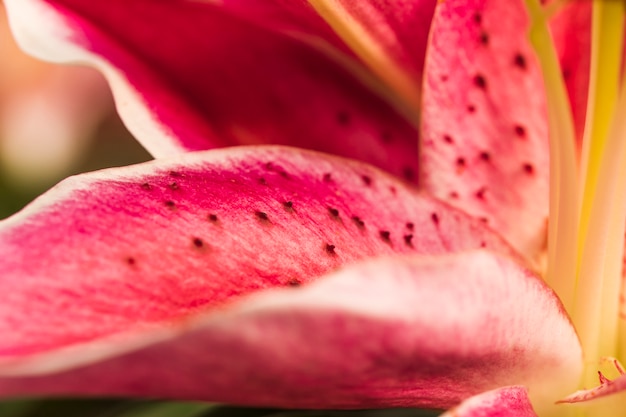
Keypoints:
pixel 603 204
pixel 563 173
pixel 370 51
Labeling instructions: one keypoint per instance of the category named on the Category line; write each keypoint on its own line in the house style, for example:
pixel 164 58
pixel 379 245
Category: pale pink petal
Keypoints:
pixel 485 139
pixel 170 238
pixel 503 402
pixel 571 30
pixel 191 75
pixel 415 330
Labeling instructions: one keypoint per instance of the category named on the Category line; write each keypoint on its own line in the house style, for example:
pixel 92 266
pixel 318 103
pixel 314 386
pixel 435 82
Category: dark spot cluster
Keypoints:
pixel 288 206
pixel 330 249
pixel 334 213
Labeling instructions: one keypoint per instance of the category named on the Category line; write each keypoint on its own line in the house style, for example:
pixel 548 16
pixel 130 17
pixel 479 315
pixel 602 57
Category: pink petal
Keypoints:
pixel 402 331
pixel 172 238
pixel 503 402
pixel 191 75
pixel 571 30
pixel 485 139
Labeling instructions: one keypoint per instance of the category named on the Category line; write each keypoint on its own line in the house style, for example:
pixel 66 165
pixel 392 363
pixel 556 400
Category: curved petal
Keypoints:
pixel 171 238
pixel 503 402
pixel 191 75
pixel 403 331
pixel 485 139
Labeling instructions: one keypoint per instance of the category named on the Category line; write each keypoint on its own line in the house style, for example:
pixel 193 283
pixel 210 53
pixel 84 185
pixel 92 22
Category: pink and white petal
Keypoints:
pixel 502 402
pixel 571 31
pixel 137 246
pixel 408 330
pixel 484 140
pixel 192 75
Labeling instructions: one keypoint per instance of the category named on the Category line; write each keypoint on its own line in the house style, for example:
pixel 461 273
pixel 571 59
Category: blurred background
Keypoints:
pixel 55 121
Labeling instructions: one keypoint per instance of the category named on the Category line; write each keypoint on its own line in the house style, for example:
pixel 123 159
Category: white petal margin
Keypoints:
pixel 43 32
pixel 502 402
pixel 424 331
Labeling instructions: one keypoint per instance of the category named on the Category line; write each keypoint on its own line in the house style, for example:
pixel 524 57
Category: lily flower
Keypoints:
pixel 317 274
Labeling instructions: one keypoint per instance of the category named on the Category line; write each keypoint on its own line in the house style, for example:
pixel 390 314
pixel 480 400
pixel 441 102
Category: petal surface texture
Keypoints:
pixel 503 402
pixel 485 141
pixel 193 75
pixel 154 242
pixel 409 330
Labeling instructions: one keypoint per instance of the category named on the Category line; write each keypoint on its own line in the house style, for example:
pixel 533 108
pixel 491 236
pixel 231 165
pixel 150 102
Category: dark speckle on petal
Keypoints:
pixel 359 223
pixel 262 216
pixel 520 131
pixel 330 249
pixel 529 168
pixel 480 81
pixel 385 235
